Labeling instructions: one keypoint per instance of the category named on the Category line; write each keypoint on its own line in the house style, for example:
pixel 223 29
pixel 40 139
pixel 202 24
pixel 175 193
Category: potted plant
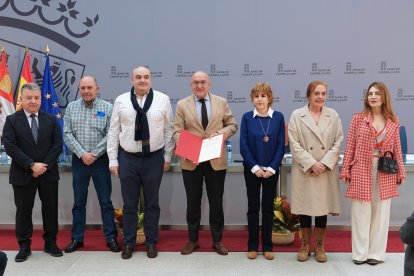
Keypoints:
pixel 119 218
pixel 285 224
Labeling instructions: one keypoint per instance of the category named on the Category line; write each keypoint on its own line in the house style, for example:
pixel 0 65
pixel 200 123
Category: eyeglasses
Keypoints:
pixel 202 83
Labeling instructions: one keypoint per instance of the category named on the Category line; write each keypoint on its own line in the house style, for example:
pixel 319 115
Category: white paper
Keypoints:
pixel 211 148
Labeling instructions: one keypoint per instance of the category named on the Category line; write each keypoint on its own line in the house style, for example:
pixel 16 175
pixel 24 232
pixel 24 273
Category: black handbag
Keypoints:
pixel 386 164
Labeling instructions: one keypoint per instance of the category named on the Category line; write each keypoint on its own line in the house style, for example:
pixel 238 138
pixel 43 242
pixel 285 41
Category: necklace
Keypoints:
pixel 265 137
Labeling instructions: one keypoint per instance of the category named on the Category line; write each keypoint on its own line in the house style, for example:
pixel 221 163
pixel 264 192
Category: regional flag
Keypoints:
pixel 25 77
pixel 6 91
pixel 50 102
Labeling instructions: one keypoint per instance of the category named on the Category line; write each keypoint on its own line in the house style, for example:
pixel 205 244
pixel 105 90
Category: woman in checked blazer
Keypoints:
pixel 372 132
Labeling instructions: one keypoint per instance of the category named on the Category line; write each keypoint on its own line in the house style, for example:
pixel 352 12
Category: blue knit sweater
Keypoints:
pixel 252 147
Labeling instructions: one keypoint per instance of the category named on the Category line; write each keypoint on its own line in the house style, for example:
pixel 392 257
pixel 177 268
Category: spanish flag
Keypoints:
pixel 6 91
pixel 25 77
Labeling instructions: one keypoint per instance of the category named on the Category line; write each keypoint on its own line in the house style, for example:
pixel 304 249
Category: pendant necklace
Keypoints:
pixel 265 137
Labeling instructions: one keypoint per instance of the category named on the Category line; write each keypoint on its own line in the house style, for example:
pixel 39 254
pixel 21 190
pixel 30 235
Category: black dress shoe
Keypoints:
pixel 359 262
pixel 74 244
pixel 152 251
pixel 372 261
pixel 53 250
pixel 113 245
pixel 127 252
pixel 24 252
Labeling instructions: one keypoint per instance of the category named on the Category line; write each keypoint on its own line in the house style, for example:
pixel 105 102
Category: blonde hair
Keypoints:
pixel 262 87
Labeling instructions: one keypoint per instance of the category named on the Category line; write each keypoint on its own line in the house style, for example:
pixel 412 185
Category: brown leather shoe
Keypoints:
pixel 190 247
pixel 127 252
pixel 268 255
pixel 220 248
pixel 252 255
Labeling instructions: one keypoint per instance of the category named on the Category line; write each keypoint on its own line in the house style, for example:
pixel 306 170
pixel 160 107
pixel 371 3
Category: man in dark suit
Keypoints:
pixel 3 262
pixel 205 115
pixel 33 140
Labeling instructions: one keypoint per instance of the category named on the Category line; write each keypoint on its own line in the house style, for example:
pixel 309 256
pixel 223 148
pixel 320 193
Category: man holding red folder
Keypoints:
pixel 205 115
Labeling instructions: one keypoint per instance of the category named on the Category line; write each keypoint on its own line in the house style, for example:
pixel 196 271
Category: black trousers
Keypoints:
pixel 135 172
pixel 3 262
pixel 193 182
pixel 268 187
pixel 24 197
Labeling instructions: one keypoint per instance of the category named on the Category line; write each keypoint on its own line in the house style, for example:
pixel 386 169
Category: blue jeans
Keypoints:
pixel 101 176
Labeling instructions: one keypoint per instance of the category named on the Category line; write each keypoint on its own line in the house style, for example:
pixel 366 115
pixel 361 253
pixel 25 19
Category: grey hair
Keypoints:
pixel 30 86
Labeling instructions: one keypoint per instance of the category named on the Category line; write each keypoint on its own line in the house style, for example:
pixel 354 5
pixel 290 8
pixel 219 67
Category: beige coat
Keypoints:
pixel 221 120
pixel 310 143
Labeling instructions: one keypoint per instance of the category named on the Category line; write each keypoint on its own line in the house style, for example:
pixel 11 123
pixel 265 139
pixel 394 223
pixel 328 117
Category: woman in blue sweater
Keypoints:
pixel 262 144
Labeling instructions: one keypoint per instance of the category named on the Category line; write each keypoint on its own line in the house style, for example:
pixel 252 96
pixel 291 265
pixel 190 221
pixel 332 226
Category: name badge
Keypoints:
pixel 100 114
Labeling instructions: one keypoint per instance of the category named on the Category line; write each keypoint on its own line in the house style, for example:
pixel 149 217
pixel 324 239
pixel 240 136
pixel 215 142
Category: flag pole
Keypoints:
pixel 16 89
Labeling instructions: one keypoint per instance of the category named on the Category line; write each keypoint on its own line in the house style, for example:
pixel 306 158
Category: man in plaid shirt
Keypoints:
pixel 86 124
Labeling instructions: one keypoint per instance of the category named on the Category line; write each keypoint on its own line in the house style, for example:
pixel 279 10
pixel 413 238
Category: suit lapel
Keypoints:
pixel 42 125
pixel 391 128
pixel 213 109
pixel 193 111
pixel 24 122
pixel 324 120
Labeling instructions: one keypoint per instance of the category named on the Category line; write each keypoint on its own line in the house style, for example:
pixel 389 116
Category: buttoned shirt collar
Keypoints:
pixel 269 113
pixel 28 114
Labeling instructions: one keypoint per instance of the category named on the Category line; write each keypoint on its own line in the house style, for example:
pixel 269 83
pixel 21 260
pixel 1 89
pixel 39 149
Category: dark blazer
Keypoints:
pixel 21 147
pixel 407 237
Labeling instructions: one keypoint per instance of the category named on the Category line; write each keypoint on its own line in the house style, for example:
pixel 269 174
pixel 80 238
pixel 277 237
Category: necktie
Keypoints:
pixel 204 117
pixel 33 126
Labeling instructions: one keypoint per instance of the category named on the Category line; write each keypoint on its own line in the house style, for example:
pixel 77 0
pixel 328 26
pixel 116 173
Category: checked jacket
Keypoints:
pixel 359 152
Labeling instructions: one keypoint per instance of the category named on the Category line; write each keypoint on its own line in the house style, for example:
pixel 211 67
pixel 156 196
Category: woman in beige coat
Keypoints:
pixel 315 136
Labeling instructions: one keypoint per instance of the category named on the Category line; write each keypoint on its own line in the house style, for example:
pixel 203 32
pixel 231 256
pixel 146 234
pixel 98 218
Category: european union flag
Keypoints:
pixel 50 102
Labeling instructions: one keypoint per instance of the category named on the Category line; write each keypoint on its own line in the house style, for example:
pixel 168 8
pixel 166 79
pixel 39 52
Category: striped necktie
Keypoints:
pixel 33 126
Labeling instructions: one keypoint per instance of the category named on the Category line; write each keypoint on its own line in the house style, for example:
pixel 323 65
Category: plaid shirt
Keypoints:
pixel 85 128
pixel 359 153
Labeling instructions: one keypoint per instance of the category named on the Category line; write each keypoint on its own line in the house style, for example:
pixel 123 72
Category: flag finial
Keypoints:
pixel 47 49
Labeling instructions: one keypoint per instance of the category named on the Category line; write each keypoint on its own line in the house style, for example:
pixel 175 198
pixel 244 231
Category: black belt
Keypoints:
pixel 140 154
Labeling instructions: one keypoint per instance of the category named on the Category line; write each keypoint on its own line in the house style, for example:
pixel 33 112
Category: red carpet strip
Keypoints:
pixel 174 240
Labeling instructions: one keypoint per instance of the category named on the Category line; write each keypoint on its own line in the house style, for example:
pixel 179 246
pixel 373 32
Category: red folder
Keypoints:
pixel 197 149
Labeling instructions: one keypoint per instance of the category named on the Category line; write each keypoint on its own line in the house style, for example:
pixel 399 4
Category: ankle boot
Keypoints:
pixel 320 254
pixel 304 251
